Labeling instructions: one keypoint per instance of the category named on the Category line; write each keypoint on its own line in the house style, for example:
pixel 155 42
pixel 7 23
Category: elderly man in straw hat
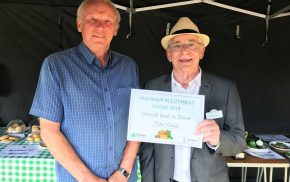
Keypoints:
pixel 223 135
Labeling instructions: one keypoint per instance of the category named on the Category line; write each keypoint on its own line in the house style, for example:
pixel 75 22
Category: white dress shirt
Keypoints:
pixel 182 153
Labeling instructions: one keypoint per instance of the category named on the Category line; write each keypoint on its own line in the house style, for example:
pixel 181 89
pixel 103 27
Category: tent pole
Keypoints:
pixel 211 2
pixel 131 10
pixel 234 8
pixel 282 15
pixel 267 22
pixel 120 7
pixel 168 5
pixel 275 15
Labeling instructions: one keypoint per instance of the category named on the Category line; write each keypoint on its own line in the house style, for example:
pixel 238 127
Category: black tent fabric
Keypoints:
pixel 32 29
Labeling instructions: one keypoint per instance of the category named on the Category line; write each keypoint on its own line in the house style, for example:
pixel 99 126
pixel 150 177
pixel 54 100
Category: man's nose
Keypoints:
pixel 99 24
pixel 184 48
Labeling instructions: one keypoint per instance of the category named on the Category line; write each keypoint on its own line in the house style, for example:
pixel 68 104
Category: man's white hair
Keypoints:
pixel 108 2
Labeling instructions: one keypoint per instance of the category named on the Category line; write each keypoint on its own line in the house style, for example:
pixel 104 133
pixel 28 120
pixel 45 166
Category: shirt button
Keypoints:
pixel 108 108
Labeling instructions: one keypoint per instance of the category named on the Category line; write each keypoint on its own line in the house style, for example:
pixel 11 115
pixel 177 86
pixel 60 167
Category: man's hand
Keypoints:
pixel 210 131
pixel 92 178
pixel 63 152
pixel 117 177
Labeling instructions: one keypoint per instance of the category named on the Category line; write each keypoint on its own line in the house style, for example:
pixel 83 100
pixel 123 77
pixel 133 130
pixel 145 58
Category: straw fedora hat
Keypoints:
pixel 184 26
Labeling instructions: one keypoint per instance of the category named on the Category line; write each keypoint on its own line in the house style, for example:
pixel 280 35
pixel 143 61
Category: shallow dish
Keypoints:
pixel 280 146
pixel 11 138
pixel 263 147
pixel 257 150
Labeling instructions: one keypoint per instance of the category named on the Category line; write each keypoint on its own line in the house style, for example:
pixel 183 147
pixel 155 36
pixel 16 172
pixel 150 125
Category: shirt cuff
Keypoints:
pixel 213 147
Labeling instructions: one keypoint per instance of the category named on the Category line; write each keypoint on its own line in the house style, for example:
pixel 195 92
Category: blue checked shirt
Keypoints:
pixel 91 104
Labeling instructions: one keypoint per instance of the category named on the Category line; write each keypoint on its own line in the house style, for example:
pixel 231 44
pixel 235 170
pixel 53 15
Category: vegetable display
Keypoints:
pixel 255 142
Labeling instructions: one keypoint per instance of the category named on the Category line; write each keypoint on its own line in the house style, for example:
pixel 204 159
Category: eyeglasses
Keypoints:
pixel 190 46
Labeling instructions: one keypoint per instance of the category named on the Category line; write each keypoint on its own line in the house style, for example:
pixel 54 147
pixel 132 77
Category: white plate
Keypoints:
pixel 20 136
pixel 265 147
pixel 279 149
pixel 258 150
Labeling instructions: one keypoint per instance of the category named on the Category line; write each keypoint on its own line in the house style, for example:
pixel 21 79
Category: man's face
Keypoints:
pixel 185 52
pixel 98 25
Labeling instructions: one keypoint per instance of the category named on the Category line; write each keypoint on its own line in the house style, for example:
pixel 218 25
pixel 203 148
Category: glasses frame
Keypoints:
pixel 191 45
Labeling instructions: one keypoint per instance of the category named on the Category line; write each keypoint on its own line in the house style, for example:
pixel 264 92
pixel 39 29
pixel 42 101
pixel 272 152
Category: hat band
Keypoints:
pixel 184 31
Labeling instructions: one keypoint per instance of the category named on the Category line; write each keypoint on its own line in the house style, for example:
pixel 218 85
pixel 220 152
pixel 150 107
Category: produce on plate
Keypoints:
pixel 16 126
pixel 33 138
pixel 8 139
pixel 280 145
pixel 35 134
pixel 255 142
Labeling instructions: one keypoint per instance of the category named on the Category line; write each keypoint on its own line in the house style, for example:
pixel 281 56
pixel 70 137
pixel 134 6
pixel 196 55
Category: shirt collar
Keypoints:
pixel 90 57
pixel 197 79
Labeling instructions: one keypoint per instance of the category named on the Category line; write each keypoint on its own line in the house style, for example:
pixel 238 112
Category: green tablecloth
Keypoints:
pixel 39 168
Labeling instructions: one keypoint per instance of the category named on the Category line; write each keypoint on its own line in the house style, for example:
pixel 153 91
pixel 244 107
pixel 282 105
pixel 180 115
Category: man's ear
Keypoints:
pixel 115 33
pixel 116 30
pixel 202 53
pixel 79 25
pixel 168 55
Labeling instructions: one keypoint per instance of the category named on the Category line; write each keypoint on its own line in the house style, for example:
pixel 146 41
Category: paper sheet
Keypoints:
pixel 165 117
pixel 271 138
pixel 263 153
pixel 20 150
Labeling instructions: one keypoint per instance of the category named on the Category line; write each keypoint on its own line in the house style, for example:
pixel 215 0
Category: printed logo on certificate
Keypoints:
pixel 165 117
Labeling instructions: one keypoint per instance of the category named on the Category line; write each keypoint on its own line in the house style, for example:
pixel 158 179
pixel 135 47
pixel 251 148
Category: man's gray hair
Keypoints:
pixel 108 2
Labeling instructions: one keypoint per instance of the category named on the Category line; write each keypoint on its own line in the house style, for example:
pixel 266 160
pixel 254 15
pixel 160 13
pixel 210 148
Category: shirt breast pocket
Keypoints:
pixel 123 98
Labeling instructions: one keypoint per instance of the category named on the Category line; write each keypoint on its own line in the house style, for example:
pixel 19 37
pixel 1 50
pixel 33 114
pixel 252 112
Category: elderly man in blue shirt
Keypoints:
pixel 82 100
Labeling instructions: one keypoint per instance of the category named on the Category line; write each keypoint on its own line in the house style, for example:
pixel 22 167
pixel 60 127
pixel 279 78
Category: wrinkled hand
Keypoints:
pixel 117 177
pixel 92 178
pixel 101 180
pixel 210 131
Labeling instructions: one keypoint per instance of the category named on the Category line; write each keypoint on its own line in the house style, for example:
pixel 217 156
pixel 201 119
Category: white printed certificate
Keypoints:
pixel 165 117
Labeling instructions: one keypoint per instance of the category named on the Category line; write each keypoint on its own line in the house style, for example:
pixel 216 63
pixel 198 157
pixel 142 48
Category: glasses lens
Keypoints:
pixel 190 46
